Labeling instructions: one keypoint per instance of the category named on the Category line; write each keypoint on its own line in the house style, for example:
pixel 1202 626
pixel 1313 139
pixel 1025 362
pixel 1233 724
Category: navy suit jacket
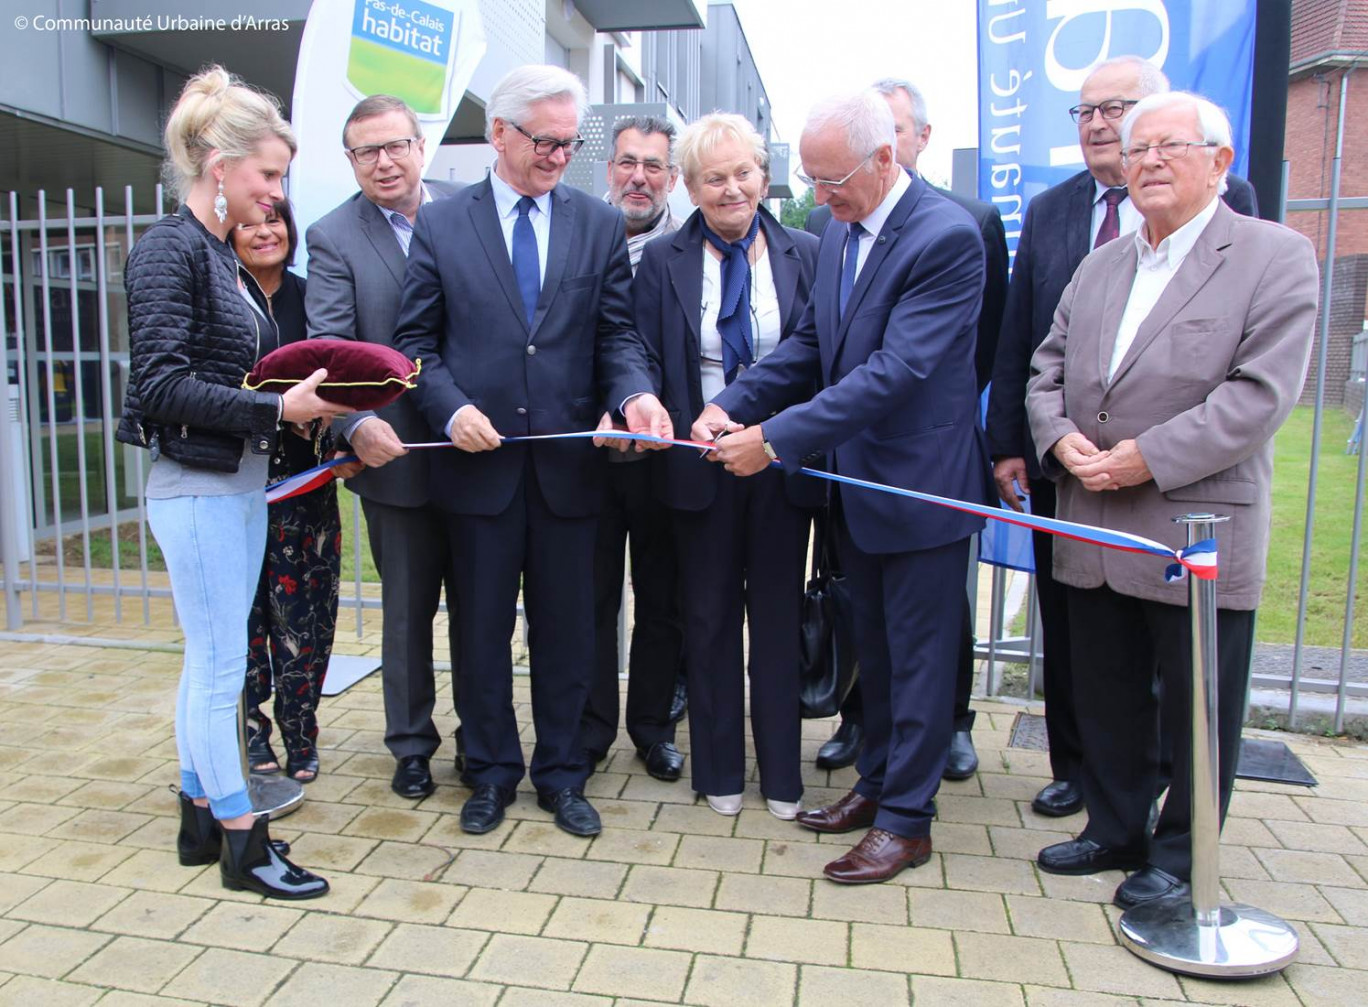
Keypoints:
pixel 668 296
pixel 1054 240
pixel 897 403
pixel 994 236
pixel 462 315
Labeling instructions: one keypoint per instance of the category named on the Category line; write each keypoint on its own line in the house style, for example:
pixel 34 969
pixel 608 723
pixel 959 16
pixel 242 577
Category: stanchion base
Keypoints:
pixel 274 796
pixel 1245 942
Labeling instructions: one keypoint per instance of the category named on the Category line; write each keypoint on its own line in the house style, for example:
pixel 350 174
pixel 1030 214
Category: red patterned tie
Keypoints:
pixel 1111 221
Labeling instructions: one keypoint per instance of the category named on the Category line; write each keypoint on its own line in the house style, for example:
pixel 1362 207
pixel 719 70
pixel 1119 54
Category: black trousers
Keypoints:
pixel 1061 719
pixel 548 555
pixel 907 634
pixel 632 517
pixel 1131 646
pixel 409 547
pixel 743 555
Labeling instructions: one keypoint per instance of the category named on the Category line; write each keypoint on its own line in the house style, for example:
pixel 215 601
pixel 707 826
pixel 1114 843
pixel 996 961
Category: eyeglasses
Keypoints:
pixel 370 153
pixel 1113 109
pixel 1168 150
pixel 545 146
pixel 652 167
pixel 827 183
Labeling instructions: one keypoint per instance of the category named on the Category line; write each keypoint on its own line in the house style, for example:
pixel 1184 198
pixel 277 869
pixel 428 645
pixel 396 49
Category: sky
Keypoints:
pixel 807 49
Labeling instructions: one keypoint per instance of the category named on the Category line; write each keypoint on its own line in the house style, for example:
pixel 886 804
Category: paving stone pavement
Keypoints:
pixel 672 903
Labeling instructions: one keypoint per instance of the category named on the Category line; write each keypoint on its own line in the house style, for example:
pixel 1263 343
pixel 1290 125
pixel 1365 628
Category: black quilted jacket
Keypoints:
pixel 192 338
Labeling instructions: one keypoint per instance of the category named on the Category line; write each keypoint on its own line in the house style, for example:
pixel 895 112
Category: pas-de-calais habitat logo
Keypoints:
pixel 401 47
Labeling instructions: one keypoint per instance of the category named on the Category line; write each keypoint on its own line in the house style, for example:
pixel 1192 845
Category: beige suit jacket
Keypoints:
pixel 1213 372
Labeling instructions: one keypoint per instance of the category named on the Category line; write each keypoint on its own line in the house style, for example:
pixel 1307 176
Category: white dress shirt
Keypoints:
pixel 1153 271
pixel 506 202
pixel 874 223
pixel 1129 215
pixel 766 324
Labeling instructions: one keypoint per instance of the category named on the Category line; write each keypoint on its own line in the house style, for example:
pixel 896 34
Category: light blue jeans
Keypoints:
pixel 213 547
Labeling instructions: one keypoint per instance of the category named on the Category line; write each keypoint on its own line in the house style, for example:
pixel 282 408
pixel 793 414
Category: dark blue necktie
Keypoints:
pixel 526 266
pixel 734 308
pixel 852 258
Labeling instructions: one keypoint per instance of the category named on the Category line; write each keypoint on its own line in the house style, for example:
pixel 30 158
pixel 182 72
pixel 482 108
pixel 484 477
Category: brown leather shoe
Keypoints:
pixel 851 812
pixel 880 855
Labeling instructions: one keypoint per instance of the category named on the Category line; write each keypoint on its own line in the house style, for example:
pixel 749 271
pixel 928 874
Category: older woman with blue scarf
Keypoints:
pixel 711 300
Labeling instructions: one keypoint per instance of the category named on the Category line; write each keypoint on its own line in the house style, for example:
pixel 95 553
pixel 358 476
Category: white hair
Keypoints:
pixel 1211 119
pixel 513 97
pixel 1149 78
pixel 863 117
pixel 887 85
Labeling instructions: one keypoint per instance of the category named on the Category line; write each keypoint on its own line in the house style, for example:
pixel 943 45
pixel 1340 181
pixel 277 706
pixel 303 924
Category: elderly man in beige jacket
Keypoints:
pixel 1173 359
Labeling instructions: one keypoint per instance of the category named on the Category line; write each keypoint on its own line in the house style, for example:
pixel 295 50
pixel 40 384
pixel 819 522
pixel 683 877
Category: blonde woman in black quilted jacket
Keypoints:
pixel 197 324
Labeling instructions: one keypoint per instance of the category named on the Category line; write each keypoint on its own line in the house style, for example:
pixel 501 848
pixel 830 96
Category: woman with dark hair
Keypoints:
pixel 290 632
pixel 197 323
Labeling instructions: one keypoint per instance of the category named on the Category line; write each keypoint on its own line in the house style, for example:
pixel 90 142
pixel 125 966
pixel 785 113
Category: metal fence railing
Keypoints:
pixel 74 542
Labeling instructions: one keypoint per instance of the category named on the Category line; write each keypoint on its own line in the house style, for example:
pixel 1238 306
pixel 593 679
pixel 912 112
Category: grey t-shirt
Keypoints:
pixel 169 478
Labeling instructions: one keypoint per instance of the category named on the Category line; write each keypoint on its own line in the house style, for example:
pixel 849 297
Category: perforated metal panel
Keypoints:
pixel 515 33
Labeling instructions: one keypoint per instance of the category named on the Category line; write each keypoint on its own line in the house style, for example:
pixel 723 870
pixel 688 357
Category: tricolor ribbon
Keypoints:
pixel 1199 559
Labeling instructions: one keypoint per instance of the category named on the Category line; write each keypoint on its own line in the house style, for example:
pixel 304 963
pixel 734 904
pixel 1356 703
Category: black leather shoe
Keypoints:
pixel 250 862
pixel 679 704
pixel 1083 856
pixel 1058 799
pixel 663 761
pixel 1146 885
pixel 573 813
pixel 962 762
pixel 484 809
pixel 413 777
pixel 842 748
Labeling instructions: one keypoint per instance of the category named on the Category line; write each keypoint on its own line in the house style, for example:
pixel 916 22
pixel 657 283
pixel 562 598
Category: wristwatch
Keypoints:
pixel 769 448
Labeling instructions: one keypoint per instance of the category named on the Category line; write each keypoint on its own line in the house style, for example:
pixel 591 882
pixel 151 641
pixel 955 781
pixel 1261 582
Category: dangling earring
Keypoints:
pixel 221 204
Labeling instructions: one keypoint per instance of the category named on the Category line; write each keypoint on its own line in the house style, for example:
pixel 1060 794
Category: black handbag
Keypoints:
pixel 827 663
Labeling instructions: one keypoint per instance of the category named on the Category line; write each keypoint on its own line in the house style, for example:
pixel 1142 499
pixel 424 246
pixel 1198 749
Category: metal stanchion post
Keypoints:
pixel 1198 934
pixel 272 796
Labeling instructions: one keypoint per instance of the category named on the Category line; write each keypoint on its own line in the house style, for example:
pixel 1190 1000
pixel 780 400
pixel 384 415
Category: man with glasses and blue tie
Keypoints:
pixel 888 336
pixel 1063 224
pixel 357 256
pixel 517 302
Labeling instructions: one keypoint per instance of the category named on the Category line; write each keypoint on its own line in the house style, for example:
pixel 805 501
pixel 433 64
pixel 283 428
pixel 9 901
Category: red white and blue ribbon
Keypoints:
pixel 1199 559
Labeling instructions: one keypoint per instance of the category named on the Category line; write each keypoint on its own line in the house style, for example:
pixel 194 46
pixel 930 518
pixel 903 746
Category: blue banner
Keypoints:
pixel 1035 54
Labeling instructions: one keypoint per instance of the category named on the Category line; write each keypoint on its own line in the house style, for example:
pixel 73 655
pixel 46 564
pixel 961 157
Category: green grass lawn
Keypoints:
pixel 1331 538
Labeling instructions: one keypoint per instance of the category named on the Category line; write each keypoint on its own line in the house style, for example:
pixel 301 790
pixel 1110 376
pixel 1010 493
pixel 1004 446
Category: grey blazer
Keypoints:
pixel 356 277
pixel 1213 372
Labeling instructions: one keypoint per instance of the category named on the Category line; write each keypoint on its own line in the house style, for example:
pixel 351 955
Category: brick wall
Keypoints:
pixel 1346 320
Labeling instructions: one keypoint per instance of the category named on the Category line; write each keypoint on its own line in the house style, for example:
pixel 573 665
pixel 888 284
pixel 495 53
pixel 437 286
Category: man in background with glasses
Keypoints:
pixel 517 301
pixel 357 255
pixel 1063 224
pixel 641 176
pixel 888 336
pixel 1175 355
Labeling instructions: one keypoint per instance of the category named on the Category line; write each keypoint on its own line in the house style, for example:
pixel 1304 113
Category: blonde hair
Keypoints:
pixel 216 111
pixel 705 134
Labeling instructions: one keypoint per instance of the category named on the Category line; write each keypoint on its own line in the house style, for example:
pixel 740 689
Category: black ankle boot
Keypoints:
pixel 199 838
pixel 250 862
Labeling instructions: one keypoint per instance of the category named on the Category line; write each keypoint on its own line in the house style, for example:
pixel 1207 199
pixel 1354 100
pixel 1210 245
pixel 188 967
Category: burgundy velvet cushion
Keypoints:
pixel 360 375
